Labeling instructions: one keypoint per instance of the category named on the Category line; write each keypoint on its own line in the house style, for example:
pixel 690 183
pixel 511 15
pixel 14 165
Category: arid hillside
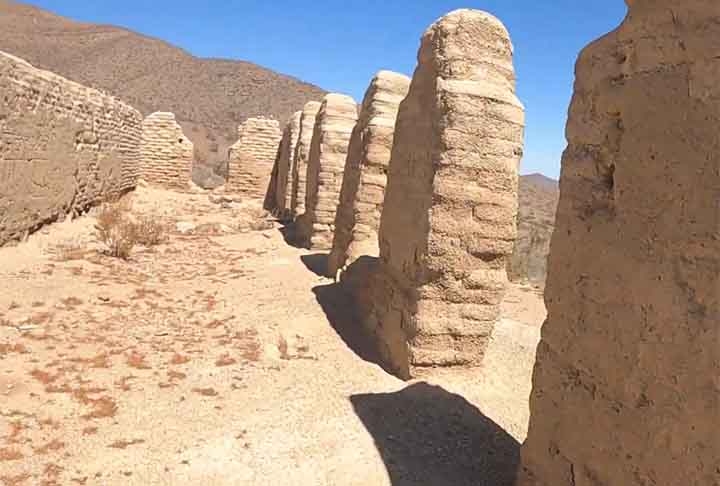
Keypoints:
pixel 210 97
pixel 538 198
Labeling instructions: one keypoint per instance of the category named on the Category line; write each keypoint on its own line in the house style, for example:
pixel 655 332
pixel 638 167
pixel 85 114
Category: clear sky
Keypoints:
pixel 339 45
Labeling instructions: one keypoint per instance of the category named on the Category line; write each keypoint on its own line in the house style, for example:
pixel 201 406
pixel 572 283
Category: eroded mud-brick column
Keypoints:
pixel 328 151
pixel 626 388
pixel 250 159
pixel 448 221
pixel 301 156
pixel 278 196
pixel 166 153
pixel 365 176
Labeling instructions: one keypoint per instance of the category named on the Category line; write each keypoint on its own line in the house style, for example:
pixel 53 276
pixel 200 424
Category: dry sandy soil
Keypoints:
pixel 220 358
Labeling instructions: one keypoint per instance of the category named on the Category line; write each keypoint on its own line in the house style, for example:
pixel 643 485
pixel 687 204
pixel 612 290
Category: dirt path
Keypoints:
pixel 219 358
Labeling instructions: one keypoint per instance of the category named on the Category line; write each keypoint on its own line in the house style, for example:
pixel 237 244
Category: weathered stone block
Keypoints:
pixel 625 387
pixel 165 151
pixel 250 159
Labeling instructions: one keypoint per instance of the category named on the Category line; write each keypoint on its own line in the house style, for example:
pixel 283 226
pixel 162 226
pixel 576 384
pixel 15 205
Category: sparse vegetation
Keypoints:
pixel 70 250
pixel 150 231
pixel 115 230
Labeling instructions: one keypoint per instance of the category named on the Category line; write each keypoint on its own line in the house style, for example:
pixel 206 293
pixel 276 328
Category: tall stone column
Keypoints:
pixel 328 151
pixel 448 222
pixel 301 156
pixel 365 177
pixel 626 388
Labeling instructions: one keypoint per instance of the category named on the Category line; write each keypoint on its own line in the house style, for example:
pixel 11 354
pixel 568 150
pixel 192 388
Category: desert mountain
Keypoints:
pixel 210 97
pixel 538 198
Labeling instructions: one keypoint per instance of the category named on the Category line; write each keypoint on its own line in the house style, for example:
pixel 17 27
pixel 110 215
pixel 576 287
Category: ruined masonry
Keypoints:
pixel 365 176
pixel 166 153
pixel 250 159
pixel 280 188
pixel 328 151
pixel 625 387
pixel 64 147
pixel 301 156
pixel 448 221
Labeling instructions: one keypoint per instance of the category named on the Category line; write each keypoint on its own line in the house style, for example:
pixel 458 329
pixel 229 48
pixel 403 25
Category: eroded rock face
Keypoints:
pixel 63 147
pixel 301 156
pixel 448 221
pixel 250 159
pixel 328 151
pixel 166 153
pixel 365 175
pixel 625 388
pixel 279 192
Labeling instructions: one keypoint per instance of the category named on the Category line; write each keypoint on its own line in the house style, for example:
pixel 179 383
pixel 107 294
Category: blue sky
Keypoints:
pixel 339 45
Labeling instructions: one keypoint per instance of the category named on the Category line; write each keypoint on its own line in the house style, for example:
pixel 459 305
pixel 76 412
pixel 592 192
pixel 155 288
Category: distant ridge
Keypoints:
pixel 210 97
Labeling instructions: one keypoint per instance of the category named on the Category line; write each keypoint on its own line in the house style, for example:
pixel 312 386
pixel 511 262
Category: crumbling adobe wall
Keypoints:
pixel 365 176
pixel 279 190
pixel 448 221
pixel 328 151
pixel 250 159
pixel 166 153
pixel 625 388
pixel 301 156
pixel 63 147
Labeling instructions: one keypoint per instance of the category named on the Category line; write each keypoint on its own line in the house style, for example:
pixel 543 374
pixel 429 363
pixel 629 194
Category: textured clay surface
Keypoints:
pixel 448 222
pixel 250 159
pixel 63 147
pixel 625 388
pixel 301 156
pixel 328 151
pixel 363 187
pixel 166 153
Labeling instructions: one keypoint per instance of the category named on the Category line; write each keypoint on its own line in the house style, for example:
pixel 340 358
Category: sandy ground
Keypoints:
pixel 219 358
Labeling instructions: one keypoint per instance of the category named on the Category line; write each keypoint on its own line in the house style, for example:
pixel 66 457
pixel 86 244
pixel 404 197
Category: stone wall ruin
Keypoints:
pixel 625 387
pixel 365 175
pixel 328 151
pixel 301 156
pixel 63 147
pixel 165 151
pixel 448 221
pixel 250 159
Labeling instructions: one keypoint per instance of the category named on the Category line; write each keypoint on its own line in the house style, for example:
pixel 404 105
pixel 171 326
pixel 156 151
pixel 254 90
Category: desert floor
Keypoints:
pixel 220 358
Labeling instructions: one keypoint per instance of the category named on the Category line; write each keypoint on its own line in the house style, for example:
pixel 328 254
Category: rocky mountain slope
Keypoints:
pixel 538 198
pixel 210 97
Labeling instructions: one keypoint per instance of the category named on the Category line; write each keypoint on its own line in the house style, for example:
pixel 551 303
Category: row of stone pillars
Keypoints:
pixel 625 388
pixel 420 183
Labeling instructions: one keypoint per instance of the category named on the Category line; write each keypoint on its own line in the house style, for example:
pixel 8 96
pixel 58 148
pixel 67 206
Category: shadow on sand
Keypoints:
pixel 428 436
pixel 317 263
pixel 339 310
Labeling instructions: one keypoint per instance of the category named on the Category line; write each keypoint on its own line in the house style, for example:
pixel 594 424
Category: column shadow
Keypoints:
pixel 428 436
